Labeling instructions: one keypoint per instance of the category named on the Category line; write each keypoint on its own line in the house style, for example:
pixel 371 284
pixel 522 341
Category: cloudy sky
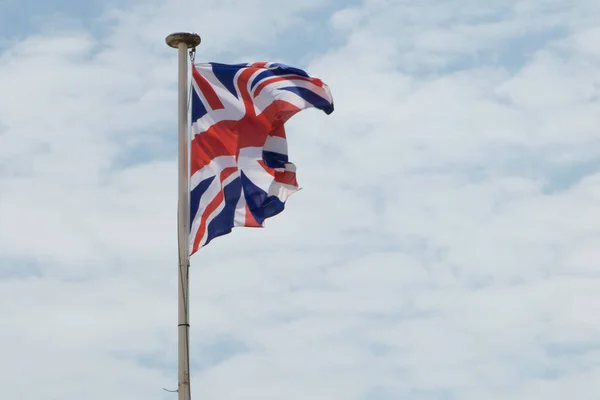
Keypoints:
pixel 445 246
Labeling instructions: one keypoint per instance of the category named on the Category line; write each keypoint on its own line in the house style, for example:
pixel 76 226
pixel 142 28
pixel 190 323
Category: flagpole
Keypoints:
pixel 183 41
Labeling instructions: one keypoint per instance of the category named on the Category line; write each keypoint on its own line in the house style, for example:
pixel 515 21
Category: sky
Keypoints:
pixel 445 244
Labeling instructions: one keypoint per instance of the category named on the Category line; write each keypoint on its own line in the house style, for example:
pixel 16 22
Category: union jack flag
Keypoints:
pixel 240 174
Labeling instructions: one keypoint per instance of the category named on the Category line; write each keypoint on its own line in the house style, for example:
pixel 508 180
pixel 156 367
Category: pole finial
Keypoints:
pixel 190 39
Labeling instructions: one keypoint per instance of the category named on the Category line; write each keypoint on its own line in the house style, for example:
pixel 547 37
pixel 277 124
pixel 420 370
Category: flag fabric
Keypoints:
pixel 240 173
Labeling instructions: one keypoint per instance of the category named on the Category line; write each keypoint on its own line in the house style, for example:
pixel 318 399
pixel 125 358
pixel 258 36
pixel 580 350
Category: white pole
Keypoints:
pixel 183 42
pixel 183 387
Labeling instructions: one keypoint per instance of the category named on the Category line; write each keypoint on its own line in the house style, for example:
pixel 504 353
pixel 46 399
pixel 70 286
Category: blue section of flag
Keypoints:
pixel 198 109
pixel 311 97
pixel 274 160
pixel 222 224
pixel 259 203
pixel 226 75
pixel 291 70
pixel 195 196
pixel 276 72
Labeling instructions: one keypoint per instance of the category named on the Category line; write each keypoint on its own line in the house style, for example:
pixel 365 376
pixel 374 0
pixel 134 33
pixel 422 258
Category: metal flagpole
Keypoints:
pixel 183 41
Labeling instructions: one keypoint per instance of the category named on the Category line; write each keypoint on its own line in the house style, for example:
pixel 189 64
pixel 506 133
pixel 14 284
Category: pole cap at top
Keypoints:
pixel 190 39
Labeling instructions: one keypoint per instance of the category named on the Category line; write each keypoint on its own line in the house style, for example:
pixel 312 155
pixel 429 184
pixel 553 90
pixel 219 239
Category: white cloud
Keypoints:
pixel 444 245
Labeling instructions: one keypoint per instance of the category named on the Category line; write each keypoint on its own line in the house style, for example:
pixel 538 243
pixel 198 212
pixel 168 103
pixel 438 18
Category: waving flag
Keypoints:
pixel 240 174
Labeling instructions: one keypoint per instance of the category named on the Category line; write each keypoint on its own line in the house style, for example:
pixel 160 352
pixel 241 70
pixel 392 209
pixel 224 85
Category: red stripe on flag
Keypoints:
pixel 278 131
pixel 317 81
pixel 286 177
pixel 219 140
pixel 260 64
pixel 250 220
pixel 227 172
pixel 211 207
pixel 270 170
pixel 268 81
pixel 207 90
pixel 279 111
pixel 224 139
pixel 243 79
